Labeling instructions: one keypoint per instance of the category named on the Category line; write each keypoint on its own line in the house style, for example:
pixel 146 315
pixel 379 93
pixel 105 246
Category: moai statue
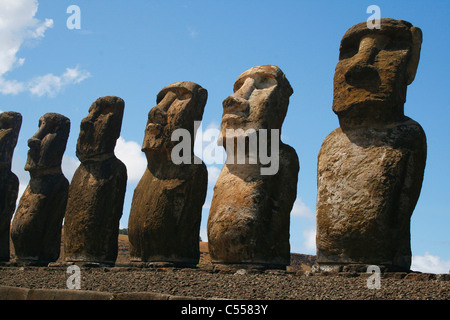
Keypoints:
pixel 370 169
pixel 164 223
pixel 37 223
pixel 250 211
pixel 10 123
pixel 97 190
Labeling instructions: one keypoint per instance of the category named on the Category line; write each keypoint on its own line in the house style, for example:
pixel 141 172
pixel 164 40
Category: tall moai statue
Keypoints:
pixel 164 223
pixel 370 169
pixel 37 223
pixel 97 189
pixel 249 217
pixel 10 123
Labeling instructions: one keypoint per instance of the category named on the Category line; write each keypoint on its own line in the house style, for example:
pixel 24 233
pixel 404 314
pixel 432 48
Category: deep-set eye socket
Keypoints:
pixel 157 116
pixel 183 94
pixel 348 50
pixel 48 126
pixel 6 123
pixel 264 82
pixel 180 94
pixel 397 44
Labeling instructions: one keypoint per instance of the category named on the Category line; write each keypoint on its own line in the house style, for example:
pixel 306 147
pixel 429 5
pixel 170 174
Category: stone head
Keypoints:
pixel 10 123
pixel 48 144
pixel 178 105
pixel 260 101
pixel 374 69
pixel 101 128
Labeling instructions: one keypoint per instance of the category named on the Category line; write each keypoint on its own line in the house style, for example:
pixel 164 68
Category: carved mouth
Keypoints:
pixel 233 115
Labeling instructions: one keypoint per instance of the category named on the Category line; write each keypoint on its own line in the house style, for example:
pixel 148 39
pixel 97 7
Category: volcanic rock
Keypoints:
pixel 97 190
pixel 36 227
pixel 164 223
pixel 10 123
pixel 249 217
pixel 370 169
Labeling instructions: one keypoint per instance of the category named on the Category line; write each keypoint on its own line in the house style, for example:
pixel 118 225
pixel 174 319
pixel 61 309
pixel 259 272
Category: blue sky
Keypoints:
pixel 132 49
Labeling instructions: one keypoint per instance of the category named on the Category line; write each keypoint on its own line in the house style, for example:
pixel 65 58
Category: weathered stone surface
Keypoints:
pixel 370 169
pixel 97 190
pixel 250 212
pixel 164 223
pixel 10 123
pixel 37 223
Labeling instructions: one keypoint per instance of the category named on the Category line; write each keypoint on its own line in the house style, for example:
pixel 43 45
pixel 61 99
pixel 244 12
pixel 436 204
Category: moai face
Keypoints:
pixel 47 146
pixel 177 106
pixel 100 130
pixel 10 123
pixel 260 101
pixel 374 69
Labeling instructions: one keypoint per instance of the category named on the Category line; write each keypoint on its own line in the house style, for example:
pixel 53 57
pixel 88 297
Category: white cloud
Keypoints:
pixel 40 29
pixel 205 146
pixel 129 152
pixel 11 86
pixel 300 209
pixel 430 264
pixel 204 234
pixel 18 25
pixel 69 166
pixel 309 236
pixel 50 84
pixel 213 175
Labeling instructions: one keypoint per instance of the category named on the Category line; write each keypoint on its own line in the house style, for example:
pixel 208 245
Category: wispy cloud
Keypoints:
pixel 309 237
pixel 51 85
pixel 430 264
pixel 11 86
pixel 300 209
pixel 18 24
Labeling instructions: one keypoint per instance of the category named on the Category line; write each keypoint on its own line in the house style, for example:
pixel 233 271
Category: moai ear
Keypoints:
pixel 415 54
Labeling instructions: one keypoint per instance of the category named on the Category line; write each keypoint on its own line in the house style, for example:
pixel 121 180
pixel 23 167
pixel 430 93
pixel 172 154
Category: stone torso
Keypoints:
pixel 250 214
pixel 36 228
pixel 165 216
pixel 9 187
pixel 369 181
pixel 94 208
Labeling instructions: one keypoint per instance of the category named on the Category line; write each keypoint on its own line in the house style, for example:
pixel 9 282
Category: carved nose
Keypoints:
pixel 34 143
pixel 363 73
pixel 245 91
pixel 234 104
